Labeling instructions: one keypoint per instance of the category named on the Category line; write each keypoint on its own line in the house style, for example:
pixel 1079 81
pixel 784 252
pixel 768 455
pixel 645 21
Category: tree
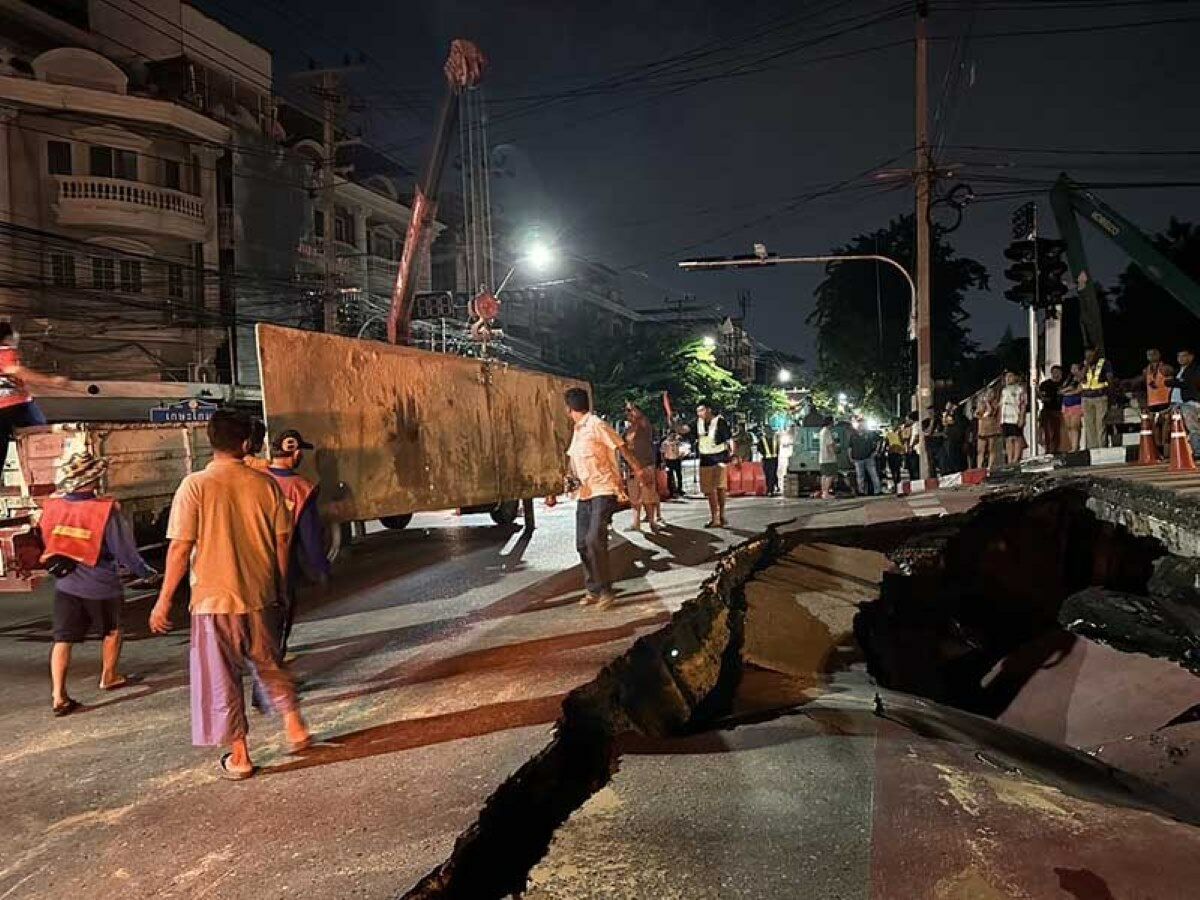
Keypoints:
pixel 862 316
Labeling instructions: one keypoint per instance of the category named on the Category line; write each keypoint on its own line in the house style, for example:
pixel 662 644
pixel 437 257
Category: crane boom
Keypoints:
pixel 1068 198
pixel 464 68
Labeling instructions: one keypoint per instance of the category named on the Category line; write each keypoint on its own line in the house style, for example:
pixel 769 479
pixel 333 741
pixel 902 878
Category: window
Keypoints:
pixel 174 280
pixel 171 174
pixel 62 270
pixel 58 157
pixel 131 276
pixel 108 162
pixel 104 273
pixel 318 223
pixel 343 227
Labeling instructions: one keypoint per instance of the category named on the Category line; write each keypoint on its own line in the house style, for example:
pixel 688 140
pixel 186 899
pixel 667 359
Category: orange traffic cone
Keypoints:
pixel 1147 449
pixel 1181 450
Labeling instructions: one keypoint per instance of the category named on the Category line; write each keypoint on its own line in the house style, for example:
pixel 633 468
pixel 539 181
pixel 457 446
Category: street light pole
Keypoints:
pixel 924 176
pixel 762 259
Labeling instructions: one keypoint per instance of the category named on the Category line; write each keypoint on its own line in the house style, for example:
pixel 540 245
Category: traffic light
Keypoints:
pixel 1051 269
pixel 1037 272
pixel 1023 272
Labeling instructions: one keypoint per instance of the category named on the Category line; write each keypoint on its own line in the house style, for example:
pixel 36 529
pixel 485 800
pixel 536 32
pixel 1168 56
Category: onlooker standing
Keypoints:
pixel 1050 420
pixel 1185 394
pixel 1158 398
pixel 17 406
pixel 230 524
pixel 1014 404
pixel 593 467
pixel 988 432
pixel 954 429
pixel 864 444
pixel 894 439
pixel 768 448
pixel 827 454
pixel 643 486
pixel 86 537
pixel 672 457
pixel 713 440
pixel 1097 379
pixel 913 442
pixel 1072 408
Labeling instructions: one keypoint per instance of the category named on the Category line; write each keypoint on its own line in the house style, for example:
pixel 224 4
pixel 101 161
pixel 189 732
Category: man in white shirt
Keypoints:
pixel 827 458
pixel 593 464
pixel 1014 403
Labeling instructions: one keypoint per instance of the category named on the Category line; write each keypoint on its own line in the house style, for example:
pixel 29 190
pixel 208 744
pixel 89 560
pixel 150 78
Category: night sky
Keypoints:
pixel 707 153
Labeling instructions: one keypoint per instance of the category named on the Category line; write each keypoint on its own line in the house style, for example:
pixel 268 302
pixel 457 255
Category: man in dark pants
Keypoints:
pixel 593 464
pixel 768 448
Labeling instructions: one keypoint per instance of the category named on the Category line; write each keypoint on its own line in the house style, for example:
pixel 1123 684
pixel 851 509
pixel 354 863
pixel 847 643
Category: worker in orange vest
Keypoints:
pixel 307 550
pixel 1158 398
pixel 85 538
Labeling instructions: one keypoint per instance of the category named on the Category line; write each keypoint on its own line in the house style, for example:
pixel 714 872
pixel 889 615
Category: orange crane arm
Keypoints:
pixel 464 69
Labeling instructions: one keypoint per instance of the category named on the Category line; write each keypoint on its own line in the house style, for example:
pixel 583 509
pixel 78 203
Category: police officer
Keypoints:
pixel 85 538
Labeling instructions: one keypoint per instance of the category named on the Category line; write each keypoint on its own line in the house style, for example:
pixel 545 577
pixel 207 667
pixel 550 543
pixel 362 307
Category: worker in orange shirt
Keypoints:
pixel 1158 397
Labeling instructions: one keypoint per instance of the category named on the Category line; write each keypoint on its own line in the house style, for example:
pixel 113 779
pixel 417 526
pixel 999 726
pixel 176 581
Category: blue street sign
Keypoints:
pixel 183 412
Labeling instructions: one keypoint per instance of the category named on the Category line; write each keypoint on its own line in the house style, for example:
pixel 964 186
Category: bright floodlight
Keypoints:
pixel 784 376
pixel 842 398
pixel 710 341
pixel 540 257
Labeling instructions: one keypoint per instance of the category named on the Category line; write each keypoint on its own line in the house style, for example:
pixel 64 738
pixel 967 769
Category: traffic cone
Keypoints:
pixel 1181 450
pixel 1147 449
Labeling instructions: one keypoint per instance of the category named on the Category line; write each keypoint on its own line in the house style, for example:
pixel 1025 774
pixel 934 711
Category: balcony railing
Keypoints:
pixel 117 190
pixel 92 199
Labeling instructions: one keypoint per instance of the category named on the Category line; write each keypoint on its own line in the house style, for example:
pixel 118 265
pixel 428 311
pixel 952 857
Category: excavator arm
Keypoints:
pixel 464 68
pixel 1068 198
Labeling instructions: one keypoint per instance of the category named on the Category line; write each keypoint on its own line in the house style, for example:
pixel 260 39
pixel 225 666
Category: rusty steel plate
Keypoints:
pixel 399 430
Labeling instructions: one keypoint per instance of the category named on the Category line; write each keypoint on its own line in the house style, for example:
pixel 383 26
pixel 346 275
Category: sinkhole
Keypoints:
pixel 1027 668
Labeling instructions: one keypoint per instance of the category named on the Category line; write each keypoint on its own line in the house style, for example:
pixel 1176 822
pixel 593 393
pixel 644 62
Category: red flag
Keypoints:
pixel 667 407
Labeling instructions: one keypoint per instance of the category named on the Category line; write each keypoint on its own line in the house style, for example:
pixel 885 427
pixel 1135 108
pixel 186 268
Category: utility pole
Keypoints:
pixel 924 177
pixel 328 89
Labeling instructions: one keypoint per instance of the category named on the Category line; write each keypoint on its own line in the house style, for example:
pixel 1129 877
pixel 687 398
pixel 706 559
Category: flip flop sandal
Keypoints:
pixel 234 774
pixel 65 708
pixel 300 746
pixel 124 682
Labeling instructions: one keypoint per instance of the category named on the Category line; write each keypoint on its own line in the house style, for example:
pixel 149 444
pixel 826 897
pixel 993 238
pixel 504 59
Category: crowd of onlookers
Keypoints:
pixel 1082 407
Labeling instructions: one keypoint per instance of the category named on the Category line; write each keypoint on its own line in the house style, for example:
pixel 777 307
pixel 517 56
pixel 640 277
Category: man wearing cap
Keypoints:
pixel 307 550
pixel 86 537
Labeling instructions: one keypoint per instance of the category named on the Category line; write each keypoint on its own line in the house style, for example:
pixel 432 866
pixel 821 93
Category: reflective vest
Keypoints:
pixel 708 444
pixel 1157 392
pixel 75 528
pixel 1092 379
pixel 296 491
pixel 766 446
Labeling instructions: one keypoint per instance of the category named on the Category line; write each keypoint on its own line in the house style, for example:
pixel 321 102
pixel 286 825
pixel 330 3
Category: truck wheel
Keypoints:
pixel 396 523
pixel 337 539
pixel 505 512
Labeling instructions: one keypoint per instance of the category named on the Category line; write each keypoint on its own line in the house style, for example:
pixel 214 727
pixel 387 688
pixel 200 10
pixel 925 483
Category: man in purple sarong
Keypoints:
pixel 230 524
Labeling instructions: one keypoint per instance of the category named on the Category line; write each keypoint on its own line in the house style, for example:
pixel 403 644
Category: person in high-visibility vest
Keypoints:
pixel 713 447
pixel 1158 398
pixel 768 448
pixel 85 538
pixel 1097 379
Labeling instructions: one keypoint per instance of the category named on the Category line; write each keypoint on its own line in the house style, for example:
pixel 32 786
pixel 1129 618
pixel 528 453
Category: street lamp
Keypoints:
pixel 709 341
pixel 539 256
pixel 842 398
pixel 784 376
